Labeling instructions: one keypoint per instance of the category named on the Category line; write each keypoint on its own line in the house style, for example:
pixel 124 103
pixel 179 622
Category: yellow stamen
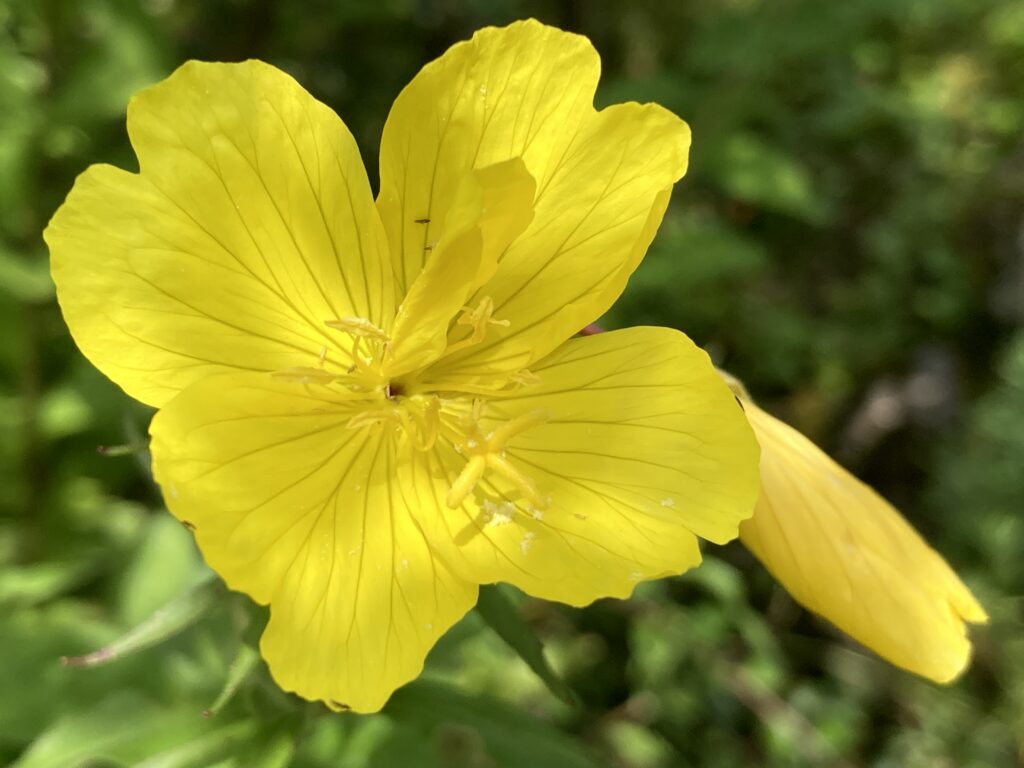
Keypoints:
pixel 524 378
pixel 466 481
pixel 364 371
pixel 488 452
pixel 305 375
pixel 429 423
pixel 510 429
pixel 420 417
pixel 504 467
pixel 359 327
pixel 479 319
pixel 369 418
pixel 363 374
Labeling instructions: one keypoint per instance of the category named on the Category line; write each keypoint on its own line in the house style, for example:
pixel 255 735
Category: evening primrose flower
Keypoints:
pixel 369 408
pixel 844 552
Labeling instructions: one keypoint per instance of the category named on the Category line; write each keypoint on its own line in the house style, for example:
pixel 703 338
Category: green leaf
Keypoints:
pixel 501 615
pixel 37 689
pixel 274 751
pixel 37 582
pixel 246 660
pixel 64 411
pixel 380 742
pixel 175 617
pixel 722 580
pixel 25 279
pixel 165 564
pixel 460 730
pixel 752 170
pixel 123 728
pixel 201 752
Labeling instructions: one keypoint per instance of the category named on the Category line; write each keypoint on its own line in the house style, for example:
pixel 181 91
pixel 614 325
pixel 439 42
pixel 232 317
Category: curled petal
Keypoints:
pixel 603 181
pixel 493 206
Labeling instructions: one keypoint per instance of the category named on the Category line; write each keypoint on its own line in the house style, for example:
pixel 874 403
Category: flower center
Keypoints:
pixel 423 417
pixel 417 416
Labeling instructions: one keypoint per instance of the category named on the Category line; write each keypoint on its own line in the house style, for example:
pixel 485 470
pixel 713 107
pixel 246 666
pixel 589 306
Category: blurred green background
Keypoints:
pixel 849 241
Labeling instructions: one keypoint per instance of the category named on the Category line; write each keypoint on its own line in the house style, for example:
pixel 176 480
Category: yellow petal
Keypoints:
pixel 292 506
pixel 250 223
pixel 845 553
pixel 494 205
pixel 631 447
pixel 527 90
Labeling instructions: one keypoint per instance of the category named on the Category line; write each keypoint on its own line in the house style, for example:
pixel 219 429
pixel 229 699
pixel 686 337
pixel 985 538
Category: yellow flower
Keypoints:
pixel 845 553
pixel 369 408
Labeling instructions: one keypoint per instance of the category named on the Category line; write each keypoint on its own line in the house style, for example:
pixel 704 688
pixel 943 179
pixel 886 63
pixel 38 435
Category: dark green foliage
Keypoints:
pixel 848 241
